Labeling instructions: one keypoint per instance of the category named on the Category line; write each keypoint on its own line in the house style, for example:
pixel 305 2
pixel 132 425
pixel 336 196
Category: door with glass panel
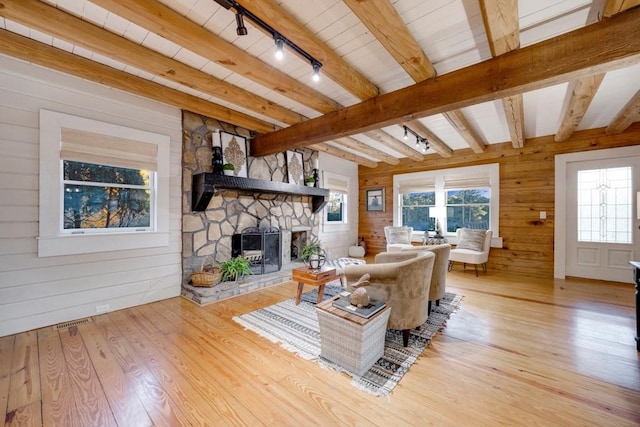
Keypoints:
pixel 602 233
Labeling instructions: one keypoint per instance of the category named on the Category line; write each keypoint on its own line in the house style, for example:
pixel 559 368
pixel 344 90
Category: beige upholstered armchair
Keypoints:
pixel 472 248
pixel 398 238
pixel 402 280
pixel 440 268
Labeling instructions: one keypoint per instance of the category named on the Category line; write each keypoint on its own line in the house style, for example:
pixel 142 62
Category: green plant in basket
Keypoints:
pixel 228 167
pixel 235 268
pixel 310 180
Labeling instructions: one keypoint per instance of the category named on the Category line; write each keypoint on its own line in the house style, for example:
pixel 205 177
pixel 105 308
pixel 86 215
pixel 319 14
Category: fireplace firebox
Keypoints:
pixel 261 246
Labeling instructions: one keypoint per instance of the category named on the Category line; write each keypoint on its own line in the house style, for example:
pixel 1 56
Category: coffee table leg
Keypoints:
pixel 300 286
pixel 320 293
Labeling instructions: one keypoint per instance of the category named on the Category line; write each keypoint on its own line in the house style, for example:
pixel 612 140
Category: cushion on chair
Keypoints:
pixel 471 239
pixel 397 235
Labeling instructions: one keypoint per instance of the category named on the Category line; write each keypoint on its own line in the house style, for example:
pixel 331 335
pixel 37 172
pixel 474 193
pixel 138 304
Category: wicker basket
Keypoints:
pixel 207 276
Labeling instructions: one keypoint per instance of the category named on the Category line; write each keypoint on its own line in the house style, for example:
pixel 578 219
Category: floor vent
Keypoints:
pixel 72 323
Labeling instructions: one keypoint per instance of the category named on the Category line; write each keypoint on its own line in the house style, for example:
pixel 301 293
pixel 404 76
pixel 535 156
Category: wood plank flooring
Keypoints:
pixel 520 351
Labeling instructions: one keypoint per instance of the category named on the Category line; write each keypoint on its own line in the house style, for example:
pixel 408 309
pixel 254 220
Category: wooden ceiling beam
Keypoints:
pixel 39 15
pixel 596 48
pixel 354 144
pixel 382 19
pixel 333 65
pixel 514 113
pixel 502 26
pixel 464 128
pixel 501 23
pixel 342 154
pixel 581 92
pixel 629 114
pixel 389 141
pixel 434 141
pixel 162 20
pixel 38 53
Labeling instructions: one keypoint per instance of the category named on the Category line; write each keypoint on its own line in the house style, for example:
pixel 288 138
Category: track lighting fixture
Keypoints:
pixel 316 71
pixel 241 30
pixel 279 39
pixel 420 141
pixel 279 48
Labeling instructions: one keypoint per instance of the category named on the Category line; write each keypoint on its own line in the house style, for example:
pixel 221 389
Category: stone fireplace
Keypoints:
pixel 231 211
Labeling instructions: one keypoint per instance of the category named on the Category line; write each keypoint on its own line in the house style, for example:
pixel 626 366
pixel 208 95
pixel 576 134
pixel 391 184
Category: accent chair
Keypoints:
pixel 440 269
pixel 472 248
pixel 398 238
pixel 402 280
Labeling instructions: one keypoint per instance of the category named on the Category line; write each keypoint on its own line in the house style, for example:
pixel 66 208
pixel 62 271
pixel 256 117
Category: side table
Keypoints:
pixel 351 341
pixel 309 276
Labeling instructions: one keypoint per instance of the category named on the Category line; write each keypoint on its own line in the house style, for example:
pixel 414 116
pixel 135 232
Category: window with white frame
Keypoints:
pixel 336 207
pixel 464 197
pixel 103 187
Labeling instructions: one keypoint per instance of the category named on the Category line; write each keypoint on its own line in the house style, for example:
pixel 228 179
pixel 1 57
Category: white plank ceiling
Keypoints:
pixel 451 33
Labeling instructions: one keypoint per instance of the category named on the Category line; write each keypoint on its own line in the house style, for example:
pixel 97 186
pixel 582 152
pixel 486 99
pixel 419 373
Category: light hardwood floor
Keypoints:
pixel 520 351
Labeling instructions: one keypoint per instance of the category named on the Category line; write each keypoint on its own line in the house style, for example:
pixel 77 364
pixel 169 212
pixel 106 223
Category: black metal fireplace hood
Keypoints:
pixel 204 186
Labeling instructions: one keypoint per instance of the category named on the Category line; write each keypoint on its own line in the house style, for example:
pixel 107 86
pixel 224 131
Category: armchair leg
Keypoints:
pixel 450 265
pixel 405 337
pixel 476 266
pixel 429 308
pixel 437 303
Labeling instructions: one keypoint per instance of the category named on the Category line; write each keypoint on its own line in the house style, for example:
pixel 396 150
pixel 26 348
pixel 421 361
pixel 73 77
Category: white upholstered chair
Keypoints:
pixel 398 238
pixel 472 248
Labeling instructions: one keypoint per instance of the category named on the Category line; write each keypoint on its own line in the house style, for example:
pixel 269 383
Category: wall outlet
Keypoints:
pixel 543 215
pixel 102 308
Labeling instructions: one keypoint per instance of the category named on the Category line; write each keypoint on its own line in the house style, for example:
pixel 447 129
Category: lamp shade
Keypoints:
pixel 437 212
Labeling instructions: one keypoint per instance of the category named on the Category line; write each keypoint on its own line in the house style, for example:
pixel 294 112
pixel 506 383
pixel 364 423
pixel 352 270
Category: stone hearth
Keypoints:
pixel 226 290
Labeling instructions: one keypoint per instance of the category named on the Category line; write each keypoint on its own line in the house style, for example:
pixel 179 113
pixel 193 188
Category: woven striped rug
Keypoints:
pixel 295 328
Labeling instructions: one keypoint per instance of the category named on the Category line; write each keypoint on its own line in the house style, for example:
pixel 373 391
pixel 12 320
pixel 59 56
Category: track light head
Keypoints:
pixel 241 30
pixel 279 48
pixel 316 71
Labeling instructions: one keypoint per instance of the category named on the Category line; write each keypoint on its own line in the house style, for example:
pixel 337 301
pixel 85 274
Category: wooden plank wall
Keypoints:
pixel 527 183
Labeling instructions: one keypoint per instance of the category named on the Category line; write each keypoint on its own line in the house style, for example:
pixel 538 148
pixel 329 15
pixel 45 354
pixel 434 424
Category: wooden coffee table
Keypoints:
pixel 308 276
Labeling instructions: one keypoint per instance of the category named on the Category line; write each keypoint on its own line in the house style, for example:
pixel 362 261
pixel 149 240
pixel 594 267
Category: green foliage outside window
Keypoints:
pixel 335 207
pixel 99 196
pixel 415 210
pixel 468 208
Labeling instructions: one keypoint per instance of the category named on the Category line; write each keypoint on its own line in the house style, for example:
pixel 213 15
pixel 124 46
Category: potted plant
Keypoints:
pixel 228 168
pixel 235 268
pixel 313 254
pixel 310 181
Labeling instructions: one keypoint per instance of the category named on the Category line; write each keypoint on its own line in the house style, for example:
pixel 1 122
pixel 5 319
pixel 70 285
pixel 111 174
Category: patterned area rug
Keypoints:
pixel 295 327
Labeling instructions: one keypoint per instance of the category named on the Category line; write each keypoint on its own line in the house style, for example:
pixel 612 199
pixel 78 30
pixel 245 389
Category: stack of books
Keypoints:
pixel 375 306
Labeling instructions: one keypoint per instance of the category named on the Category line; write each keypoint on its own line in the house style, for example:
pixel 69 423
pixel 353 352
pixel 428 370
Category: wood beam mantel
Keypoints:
pixel 597 48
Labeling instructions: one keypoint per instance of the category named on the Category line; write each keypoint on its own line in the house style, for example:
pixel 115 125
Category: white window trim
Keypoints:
pixel 51 240
pixel 491 170
pixel 336 226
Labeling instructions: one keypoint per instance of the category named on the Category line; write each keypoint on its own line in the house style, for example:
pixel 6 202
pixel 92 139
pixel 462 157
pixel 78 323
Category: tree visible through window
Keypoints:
pixel 336 207
pixel 468 209
pixel 100 197
pixel 415 210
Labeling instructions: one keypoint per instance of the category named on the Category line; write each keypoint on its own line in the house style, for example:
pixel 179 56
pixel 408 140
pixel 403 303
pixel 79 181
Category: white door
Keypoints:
pixel 602 229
